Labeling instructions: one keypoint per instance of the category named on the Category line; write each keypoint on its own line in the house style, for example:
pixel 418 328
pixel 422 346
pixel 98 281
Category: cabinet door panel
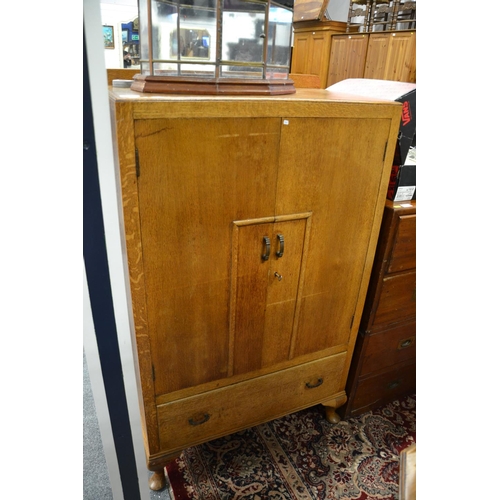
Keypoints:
pixel 316 167
pixel 400 63
pixel 391 56
pixel 317 56
pixel 376 56
pixel 347 57
pixel 196 177
pixel 251 296
pixel 300 53
pixel 266 293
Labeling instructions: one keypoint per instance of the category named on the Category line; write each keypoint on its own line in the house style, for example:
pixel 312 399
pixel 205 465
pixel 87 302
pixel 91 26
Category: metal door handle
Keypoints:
pixel 267 243
pixel 281 239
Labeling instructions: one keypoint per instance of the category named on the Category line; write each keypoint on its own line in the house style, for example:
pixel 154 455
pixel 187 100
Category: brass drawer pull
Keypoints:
pixel 393 384
pixel 199 421
pixel 281 239
pixel 404 343
pixel 267 243
pixel 317 384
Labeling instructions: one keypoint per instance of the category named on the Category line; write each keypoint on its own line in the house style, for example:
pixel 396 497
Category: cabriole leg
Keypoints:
pixel 331 406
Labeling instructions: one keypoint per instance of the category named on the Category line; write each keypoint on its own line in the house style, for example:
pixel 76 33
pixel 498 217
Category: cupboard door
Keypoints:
pixel 391 56
pixel 300 53
pixel 268 271
pixel 331 167
pixel 376 56
pixel 319 50
pixel 400 63
pixel 347 57
pixel 196 177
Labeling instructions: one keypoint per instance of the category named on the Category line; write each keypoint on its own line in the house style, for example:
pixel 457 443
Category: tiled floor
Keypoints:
pixel 96 484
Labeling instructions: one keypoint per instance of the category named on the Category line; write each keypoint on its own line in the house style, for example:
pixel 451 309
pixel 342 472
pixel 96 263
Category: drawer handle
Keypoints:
pixel 317 384
pixel 267 243
pixel 393 384
pixel 199 421
pixel 280 252
pixel 404 343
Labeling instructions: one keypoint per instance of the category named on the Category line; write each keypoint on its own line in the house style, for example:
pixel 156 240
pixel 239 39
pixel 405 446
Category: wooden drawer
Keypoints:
pixel 404 250
pixel 220 412
pixel 397 299
pixel 379 389
pixel 389 347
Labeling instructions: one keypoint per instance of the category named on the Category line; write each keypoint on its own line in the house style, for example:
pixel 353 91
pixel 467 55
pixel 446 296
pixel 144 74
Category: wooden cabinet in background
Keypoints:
pixel 312 47
pixel 379 56
pixel 251 225
pixel 347 57
pixel 392 56
pixel 384 362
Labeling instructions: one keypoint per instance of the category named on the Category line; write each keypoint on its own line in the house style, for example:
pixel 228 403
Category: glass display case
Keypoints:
pixel 215 46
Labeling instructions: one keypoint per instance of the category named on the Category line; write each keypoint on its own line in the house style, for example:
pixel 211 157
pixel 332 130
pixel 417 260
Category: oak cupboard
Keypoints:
pixel 250 225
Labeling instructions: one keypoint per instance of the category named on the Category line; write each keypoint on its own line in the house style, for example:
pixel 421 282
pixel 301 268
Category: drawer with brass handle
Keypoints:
pixel 389 347
pixel 215 413
pixel 383 386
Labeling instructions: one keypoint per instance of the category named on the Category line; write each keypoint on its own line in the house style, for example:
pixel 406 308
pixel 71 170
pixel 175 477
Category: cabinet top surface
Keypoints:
pixel 401 205
pixel 300 96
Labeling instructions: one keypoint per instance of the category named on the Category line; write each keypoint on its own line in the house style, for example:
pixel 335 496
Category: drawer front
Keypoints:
pixel 220 412
pixel 389 347
pixel 378 390
pixel 397 299
pixel 404 250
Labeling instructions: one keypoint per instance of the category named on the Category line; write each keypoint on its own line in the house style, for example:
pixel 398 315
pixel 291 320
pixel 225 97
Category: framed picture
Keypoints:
pixel 124 36
pixel 109 37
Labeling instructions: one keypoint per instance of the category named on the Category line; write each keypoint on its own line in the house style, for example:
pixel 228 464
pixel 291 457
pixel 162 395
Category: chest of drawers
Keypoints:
pixel 384 360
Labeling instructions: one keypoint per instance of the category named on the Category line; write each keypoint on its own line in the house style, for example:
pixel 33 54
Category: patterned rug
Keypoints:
pixel 301 457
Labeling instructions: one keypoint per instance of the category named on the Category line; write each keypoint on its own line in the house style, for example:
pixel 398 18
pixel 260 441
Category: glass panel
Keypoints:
pixel 247 72
pixel 143 30
pixel 243 28
pixel 194 43
pixel 198 30
pixel 198 70
pixel 279 36
pixel 184 38
pixel 164 21
pixel 277 73
pixel 183 69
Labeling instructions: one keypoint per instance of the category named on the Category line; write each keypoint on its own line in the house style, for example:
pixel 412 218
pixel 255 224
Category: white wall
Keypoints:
pixel 113 225
pixel 114 13
pixel 338 10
